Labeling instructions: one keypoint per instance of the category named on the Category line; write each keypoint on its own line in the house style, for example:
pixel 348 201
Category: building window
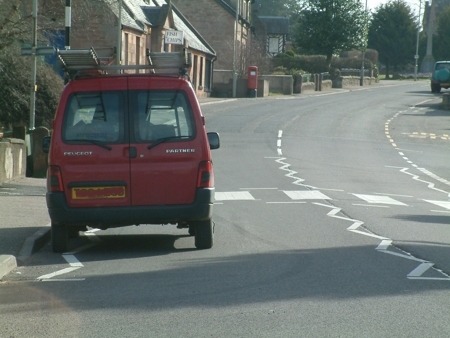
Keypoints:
pixel 138 49
pixel 208 74
pixel 125 50
pixel 200 79
pixel 274 45
pixel 195 69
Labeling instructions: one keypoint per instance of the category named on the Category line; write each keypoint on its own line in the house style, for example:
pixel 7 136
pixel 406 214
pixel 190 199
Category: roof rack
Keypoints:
pixel 76 60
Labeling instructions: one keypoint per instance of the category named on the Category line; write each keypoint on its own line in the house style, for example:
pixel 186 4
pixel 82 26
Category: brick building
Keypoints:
pixel 215 20
pixel 143 25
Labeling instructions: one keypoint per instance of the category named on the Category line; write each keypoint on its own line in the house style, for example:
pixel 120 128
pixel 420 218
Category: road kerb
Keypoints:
pixel 7 264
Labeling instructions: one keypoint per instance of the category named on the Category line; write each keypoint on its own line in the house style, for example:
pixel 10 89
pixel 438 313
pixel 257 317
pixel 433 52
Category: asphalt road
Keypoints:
pixel 332 220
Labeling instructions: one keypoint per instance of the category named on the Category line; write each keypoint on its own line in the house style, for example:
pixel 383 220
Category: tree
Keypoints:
pixel 329 26
pixel 13 24
pixel 441 40
pixel 392 33
pixel 15 83
pixel 15 70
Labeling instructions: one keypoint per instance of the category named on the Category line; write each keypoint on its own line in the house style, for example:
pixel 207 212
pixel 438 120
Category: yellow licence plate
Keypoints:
pixel 92 193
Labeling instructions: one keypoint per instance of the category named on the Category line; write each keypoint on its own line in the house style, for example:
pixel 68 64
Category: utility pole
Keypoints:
pixel 31 125
pixel 361 82
pixel 119 36
pixel 236 45
pixel 68 23
pixel 34 51
pixel 416 57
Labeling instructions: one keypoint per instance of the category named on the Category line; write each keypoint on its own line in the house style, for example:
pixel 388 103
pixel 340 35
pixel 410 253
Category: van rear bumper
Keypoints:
pixel 108 217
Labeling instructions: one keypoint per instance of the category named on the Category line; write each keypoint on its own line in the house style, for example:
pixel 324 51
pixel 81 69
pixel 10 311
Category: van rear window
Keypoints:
pixel 443 65
pixel 96 116
pixel 160 114
pixel 103 116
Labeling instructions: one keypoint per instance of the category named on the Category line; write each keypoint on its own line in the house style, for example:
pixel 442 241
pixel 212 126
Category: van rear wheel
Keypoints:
pixel 60 238
pixel 204 234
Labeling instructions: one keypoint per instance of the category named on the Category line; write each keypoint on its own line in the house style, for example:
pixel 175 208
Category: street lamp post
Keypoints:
pixel 236 42
pixel 416 57
pixel 119 35
pixel 31 125
pixel 361 82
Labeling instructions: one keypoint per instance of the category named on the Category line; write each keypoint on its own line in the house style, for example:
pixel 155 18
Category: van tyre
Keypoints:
pixel 435 88
pixel 60 238
pixel 204 234
pixel 73 232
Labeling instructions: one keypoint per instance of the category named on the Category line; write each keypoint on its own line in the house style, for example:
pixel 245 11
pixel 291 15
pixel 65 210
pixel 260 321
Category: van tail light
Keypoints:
pixel 54 179
pixel 205 175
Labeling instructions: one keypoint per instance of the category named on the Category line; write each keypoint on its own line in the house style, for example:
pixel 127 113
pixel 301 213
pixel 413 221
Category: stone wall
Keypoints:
pixel 351 81
pixel 13 159
pixel 223 85
pixel 283 84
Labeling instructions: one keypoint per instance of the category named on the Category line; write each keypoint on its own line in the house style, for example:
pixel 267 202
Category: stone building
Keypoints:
pixel 143 25
pixel 215 20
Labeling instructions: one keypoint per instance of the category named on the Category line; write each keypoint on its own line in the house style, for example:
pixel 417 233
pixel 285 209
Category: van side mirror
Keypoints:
pixel 214 140
pixel 46 144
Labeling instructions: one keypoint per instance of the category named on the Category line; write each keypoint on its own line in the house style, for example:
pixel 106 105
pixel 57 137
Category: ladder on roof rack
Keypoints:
pixel 74 60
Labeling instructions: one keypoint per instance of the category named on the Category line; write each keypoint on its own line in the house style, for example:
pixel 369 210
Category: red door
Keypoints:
pixel 95 147
pixel 163 141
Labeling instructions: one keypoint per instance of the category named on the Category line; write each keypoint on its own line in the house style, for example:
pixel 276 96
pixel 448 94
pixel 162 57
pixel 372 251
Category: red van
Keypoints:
pixel 129 149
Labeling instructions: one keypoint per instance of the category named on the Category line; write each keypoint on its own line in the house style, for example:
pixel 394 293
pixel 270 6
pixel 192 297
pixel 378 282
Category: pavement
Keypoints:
pixel 24 220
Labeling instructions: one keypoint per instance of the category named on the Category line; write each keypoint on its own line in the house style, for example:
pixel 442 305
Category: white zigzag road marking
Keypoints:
pixel 356 224
pixel 417 178
pixel 70 258
pixel 291 173
pixel 385 242
pixel 384 245
pixel 74 263
pixel 297 180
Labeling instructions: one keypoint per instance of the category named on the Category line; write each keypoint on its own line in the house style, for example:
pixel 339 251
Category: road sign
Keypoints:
pixel 174 37
pixel 39 51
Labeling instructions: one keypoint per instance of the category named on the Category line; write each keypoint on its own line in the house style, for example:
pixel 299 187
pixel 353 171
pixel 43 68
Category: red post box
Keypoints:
pixel 252 81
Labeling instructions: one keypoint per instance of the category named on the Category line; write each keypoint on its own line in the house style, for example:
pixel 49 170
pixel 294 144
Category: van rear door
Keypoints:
pixel 163 138
pixel 95 149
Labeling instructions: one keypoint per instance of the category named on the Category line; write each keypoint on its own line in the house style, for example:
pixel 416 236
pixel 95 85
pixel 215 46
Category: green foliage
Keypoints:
pixel 290 53
pixel 15 87
pixel 307 63
pixel 370 54
pixel 317 63
pixel 15 70
pixel 393 34
pixel 13 25
pixel 329 26
pixel 441 40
